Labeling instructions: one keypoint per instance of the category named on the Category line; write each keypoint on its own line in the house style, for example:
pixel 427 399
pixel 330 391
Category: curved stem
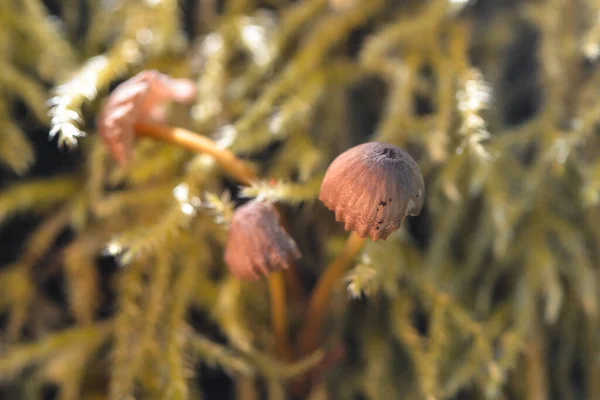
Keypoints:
pixel 278 320
pixel 309 336
pixel 235 167
pixel 242 172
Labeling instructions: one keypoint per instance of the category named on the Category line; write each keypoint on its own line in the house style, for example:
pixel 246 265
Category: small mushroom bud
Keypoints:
pixel 257 243
pixel 372 187
pixel 140 98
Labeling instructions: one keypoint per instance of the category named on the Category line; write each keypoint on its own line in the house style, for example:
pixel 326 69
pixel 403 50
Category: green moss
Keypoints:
pixel 492 292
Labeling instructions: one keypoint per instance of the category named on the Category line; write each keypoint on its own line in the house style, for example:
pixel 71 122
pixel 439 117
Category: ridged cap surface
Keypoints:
pixel 257 243
pixel 139 98
pixel 372 187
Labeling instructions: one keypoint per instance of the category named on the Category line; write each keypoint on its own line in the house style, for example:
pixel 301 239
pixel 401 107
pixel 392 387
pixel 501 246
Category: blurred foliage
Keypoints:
pixel 120 290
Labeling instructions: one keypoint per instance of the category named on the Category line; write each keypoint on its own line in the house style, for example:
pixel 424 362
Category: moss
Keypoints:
pixel 120 288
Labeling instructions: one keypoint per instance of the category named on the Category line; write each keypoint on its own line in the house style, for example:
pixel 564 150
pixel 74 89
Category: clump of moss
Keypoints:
pixel 120 288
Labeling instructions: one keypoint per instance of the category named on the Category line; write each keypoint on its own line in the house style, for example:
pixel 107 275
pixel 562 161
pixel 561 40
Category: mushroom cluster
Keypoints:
pixel 371 188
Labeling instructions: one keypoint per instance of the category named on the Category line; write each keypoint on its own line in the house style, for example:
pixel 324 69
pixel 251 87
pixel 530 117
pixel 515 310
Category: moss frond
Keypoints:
pixel 363 280
pixel 82 277
pixel 144 241
pixel 221 207
pixel 65 106
pixel 128 322
pixel 326 35
pixel 228 314
pixel 177 335
pixel 24 355
pixel 215 355
pixel 56 55
pixel 284 192
pixel 36 196
pixel 20 85
pixel 492 291
pixel 15 150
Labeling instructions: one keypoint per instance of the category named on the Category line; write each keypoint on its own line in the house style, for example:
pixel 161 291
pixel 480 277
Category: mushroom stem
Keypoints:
pixel 309 336
pixel 235 167
pixel 278 320
pixel 242 172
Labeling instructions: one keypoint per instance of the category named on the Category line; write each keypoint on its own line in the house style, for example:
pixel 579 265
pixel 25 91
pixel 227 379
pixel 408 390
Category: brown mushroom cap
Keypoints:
pixel 139 98
pixel 257 243
pixel 372 187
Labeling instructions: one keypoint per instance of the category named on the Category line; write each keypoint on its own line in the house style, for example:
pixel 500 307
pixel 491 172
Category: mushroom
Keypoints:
pixel 257 243
pixel 140 98
pixel 371 188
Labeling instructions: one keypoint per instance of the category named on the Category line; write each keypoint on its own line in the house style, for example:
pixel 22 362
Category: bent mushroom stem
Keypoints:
pixel 199 144
pixel 278 320
pixel 239 170
pixel 309 336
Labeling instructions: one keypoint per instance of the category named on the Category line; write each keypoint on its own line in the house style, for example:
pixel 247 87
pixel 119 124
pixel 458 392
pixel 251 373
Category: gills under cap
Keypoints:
pixel 139 98
pixel 257 243
pixel 372 187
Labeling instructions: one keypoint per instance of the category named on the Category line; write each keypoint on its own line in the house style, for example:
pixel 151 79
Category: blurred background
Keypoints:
pixel 110 289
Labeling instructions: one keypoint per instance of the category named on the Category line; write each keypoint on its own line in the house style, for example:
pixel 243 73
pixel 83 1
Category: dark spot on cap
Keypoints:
pixel 388 152
pixel 358 177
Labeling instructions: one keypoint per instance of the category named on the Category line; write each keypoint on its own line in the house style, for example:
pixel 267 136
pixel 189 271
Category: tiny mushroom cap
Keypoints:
pixel 372 187
pixel 257 243
pixel 140 98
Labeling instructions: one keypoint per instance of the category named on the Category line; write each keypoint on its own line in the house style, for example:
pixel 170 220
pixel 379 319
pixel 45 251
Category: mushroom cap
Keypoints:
pixel 257 243
pixel 372 187
pixel 138 98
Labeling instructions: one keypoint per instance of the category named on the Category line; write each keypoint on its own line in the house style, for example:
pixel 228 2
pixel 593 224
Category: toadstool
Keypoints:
pixel 257 243
pixel 371 188
pixel 140 98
